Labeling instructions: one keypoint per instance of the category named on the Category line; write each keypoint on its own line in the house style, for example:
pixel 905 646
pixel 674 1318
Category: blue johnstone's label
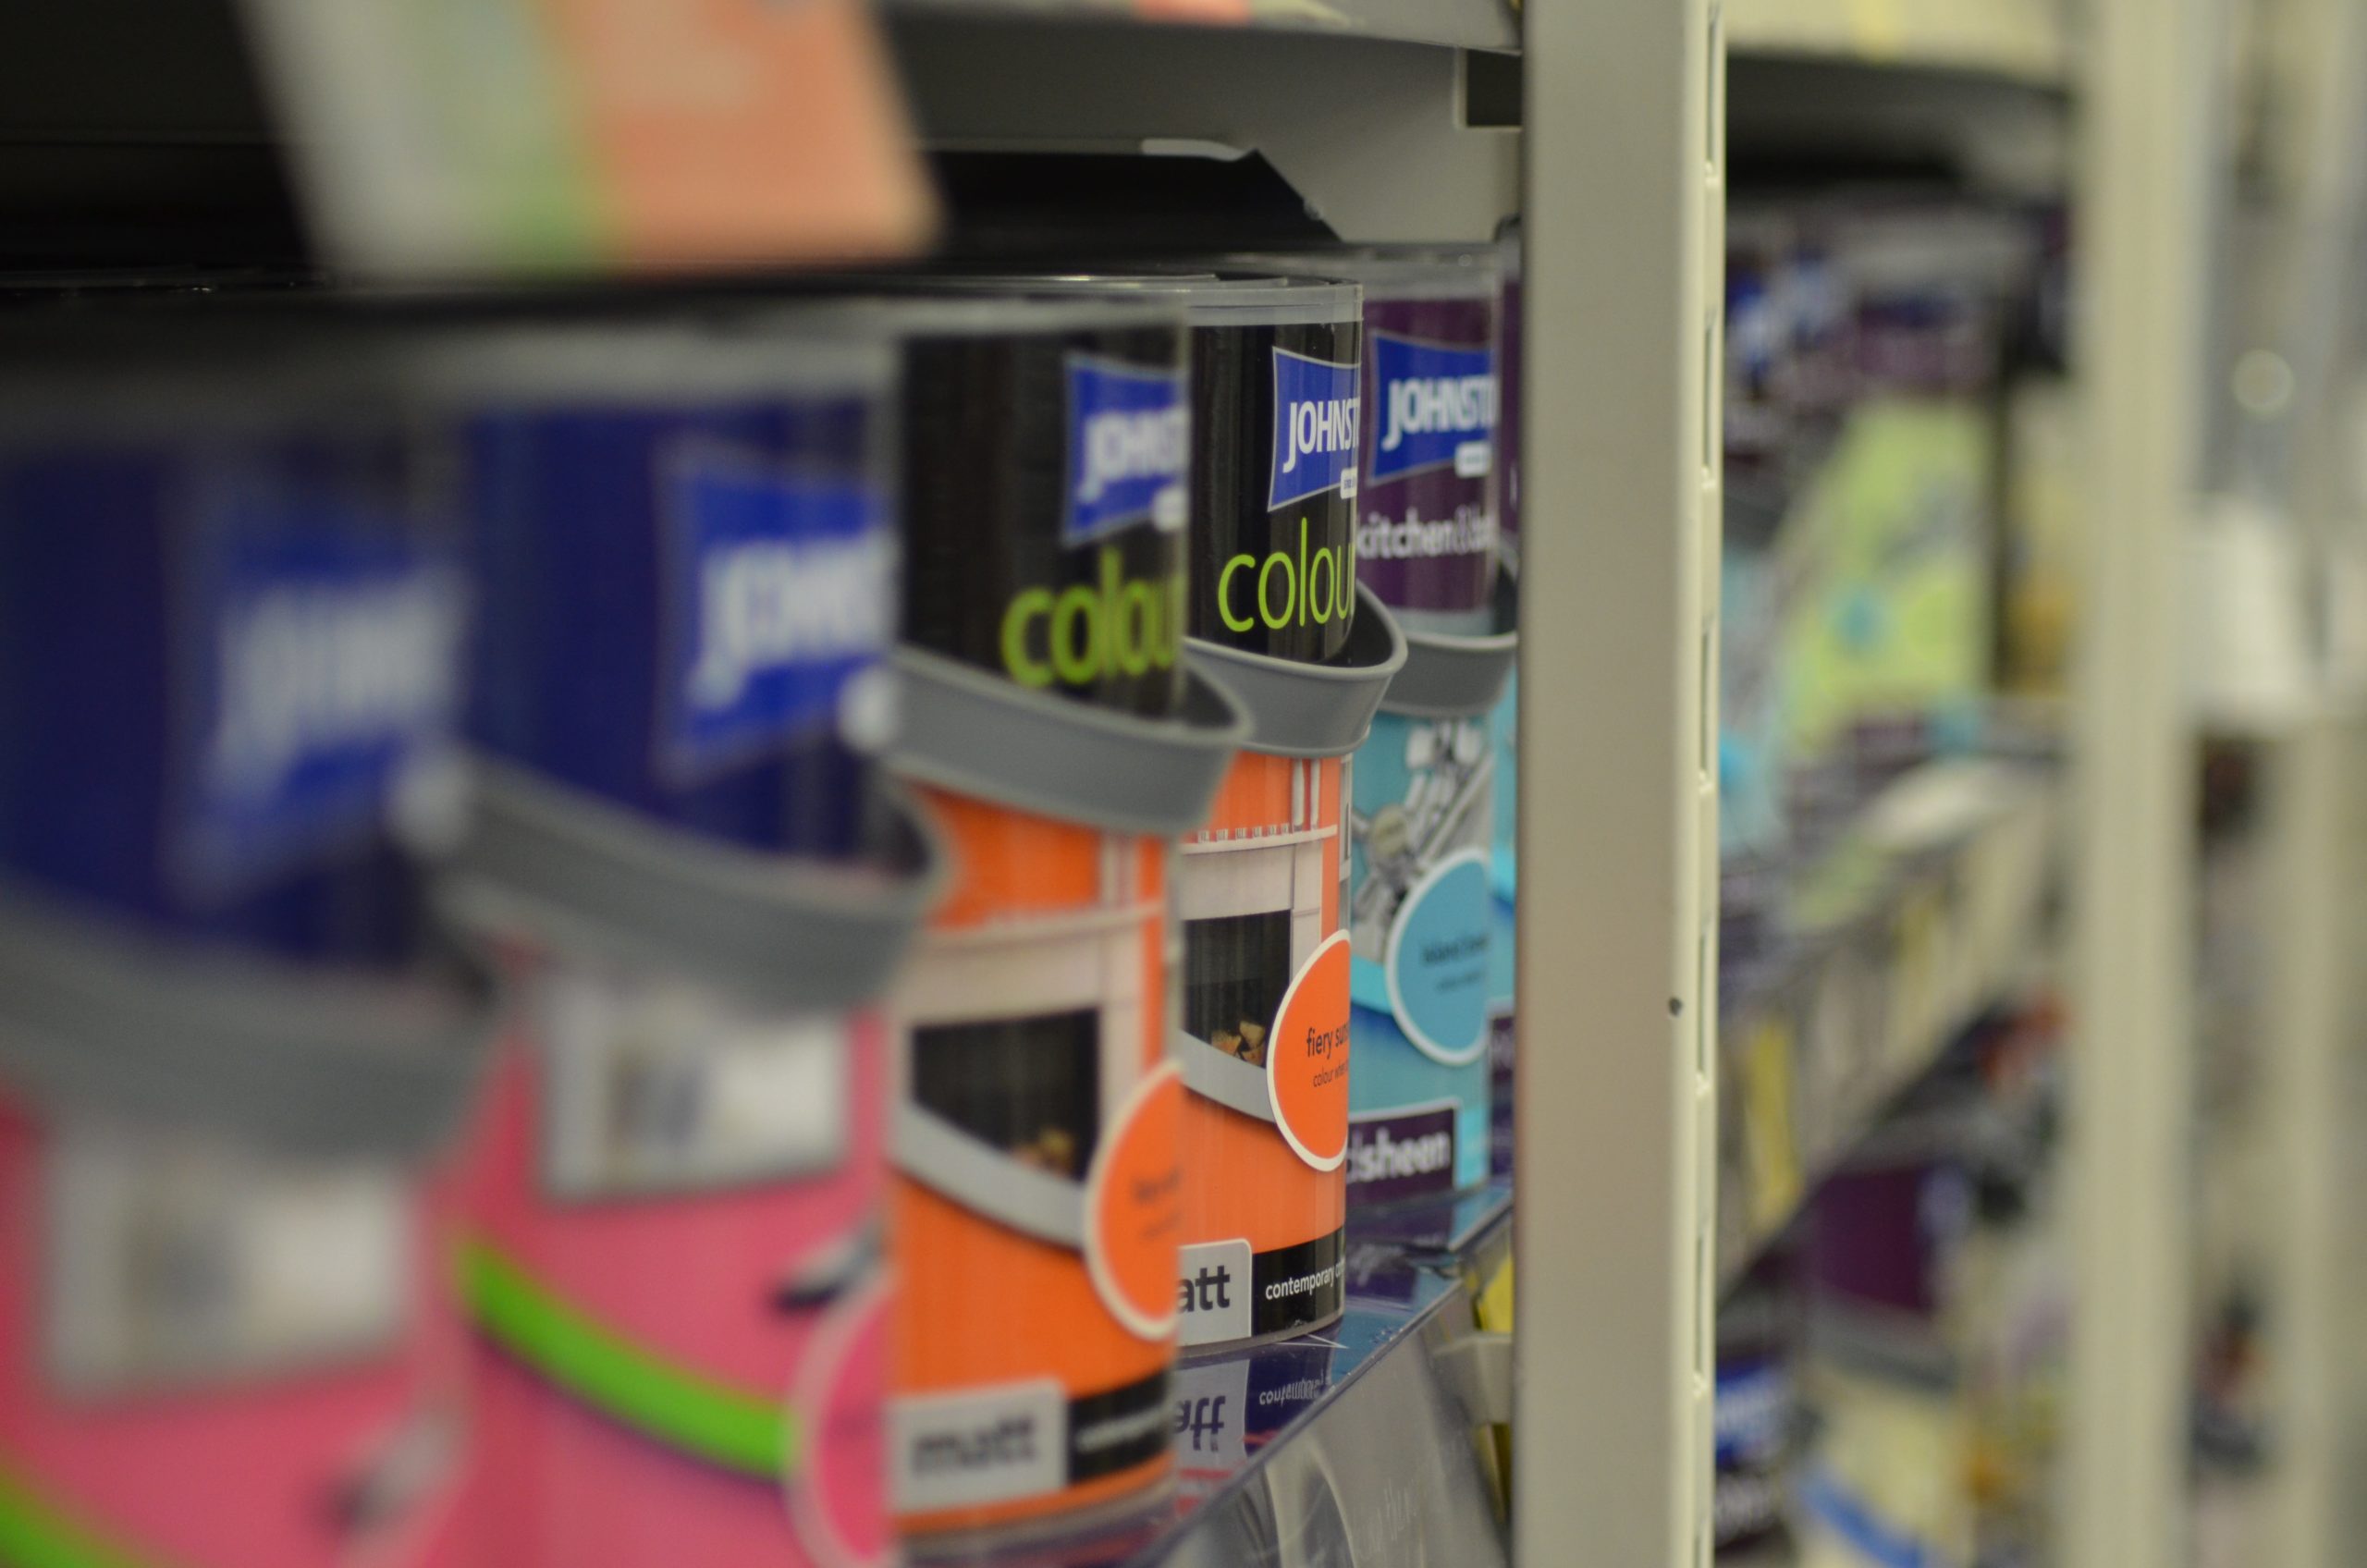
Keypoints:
pixel 1130 438
pixel 1316 416
pixel 1756 1412
pixel 780 594
pixel 1422 929
pixel 1753 1413
pixel 326 671
pixel 1437 407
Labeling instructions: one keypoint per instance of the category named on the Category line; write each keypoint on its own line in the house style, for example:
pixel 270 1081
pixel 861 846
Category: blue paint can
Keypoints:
pixel 230 644
pixel 686 544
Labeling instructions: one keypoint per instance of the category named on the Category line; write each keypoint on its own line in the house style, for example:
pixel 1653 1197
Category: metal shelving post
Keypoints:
pixel 2322 82
pixel 2306 1107
pixel 1624 127
pixel 2141 190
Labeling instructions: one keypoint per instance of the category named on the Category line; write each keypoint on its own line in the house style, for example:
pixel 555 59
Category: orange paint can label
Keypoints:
pixel 1264 1051
pixel 1037 1199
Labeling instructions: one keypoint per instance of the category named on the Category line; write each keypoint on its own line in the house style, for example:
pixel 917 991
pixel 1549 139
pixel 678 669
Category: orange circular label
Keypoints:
pixel 1134 1207
pixel 1307 1061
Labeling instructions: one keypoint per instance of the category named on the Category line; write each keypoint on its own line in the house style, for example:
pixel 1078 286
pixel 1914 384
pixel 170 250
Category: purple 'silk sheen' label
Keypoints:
pixel 1403 1155
pixel 1504 1054
pixel 1426 519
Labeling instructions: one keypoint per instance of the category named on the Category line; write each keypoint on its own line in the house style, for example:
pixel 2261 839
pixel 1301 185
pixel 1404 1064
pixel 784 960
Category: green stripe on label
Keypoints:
pixel 676 1406
pixel 33 1533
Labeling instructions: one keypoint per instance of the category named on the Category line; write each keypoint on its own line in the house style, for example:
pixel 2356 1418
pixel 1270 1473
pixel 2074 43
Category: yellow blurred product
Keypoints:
pixel 2044 505
pixel 1494 1307
pixel 1888 1480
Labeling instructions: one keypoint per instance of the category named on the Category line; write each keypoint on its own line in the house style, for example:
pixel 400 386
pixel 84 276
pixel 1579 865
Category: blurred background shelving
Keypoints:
pixel 1934 915
pixel 2025 40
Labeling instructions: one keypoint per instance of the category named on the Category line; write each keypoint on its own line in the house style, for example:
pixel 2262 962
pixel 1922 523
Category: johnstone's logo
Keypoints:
pixel 1437 407
pixel 1314 428
pixel 318 673
pixel 1129 437
pixel 334 668
pixel 780 590
pixel 1755 1406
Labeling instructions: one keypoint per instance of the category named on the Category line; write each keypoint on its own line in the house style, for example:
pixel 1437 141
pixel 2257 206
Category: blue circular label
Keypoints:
pixel 1438 959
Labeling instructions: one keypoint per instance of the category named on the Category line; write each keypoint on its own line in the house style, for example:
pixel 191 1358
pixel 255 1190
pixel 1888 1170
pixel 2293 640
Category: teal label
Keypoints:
pixel 1504 1041
pixel 1436 964
pixel 1505 872
pixel 1422 929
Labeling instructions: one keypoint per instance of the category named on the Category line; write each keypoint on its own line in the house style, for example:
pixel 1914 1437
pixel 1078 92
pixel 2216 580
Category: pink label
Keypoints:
pixel 695 1192
pixel 839 1497
pixel 246 1443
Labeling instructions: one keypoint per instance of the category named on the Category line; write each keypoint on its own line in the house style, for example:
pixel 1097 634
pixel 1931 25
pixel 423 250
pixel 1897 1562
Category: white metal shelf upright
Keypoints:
pixel 1623 215
pixel 2315 191
pixel 2143 167
pixel 2306 780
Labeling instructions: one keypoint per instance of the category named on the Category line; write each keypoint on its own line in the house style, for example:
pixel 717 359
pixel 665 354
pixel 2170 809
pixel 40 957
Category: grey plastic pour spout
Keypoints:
pixel 1312 710
pixel 974 733
pixel 595 880
pixel 1459 676
pixel 305 1061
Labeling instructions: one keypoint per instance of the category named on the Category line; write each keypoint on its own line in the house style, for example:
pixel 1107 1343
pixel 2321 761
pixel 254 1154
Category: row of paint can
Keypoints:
pixel 370 689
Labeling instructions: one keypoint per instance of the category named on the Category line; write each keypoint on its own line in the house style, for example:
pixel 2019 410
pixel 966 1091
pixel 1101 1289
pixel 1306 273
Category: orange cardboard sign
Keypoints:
pixel 1307 1061
pixel 465 138
pixel 1133 1200
pixel 743 130
pixel 1217 11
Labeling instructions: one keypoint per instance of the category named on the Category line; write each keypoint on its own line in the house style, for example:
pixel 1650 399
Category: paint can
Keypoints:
pixel 229 671
pixel 1504 869
pixel 1422 917
pixel 697 891
pixel 1061 745
pixel 1260 885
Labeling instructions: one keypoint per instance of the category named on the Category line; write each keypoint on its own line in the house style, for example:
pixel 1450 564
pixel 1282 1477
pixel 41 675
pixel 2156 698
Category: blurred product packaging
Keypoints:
pixel 1937 1311
pixel 1869 343
pixel 231 651
pixel 1757 1424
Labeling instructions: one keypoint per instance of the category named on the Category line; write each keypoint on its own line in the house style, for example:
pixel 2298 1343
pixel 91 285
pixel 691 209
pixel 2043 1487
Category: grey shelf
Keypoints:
pixel 1488 25
pixel 1353 1444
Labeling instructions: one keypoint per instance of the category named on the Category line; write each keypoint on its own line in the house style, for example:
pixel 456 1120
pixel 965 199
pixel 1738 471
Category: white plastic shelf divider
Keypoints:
pixel 2146 134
